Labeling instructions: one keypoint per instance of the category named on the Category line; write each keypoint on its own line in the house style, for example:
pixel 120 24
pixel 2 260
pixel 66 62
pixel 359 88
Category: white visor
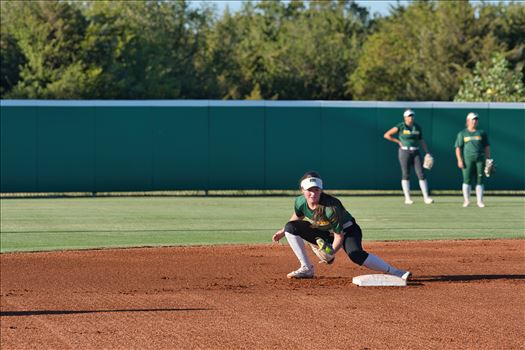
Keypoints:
pixel 408 113
pixel 311 182
pixel 472 115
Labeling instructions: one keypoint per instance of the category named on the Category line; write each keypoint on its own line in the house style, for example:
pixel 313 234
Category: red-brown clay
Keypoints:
pixel 464 295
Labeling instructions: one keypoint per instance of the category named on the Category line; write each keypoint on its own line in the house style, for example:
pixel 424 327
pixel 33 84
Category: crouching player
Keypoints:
pixel 329 227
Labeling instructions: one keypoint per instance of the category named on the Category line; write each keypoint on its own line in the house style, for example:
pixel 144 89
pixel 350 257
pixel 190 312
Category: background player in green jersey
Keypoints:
pixel 410 137
pixel 472 149
pixel 326 218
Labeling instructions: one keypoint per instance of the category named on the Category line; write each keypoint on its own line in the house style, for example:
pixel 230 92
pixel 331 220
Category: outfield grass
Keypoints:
pixel 80 223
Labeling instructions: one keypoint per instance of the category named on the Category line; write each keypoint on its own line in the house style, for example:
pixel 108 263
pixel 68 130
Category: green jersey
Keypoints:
pixel 409 136
pixel 472 144
pixel 334 217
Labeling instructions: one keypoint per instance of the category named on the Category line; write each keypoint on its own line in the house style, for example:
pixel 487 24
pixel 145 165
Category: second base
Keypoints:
pixel 379 280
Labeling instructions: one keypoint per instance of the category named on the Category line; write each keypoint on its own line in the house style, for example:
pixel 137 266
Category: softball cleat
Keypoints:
pixel 302 272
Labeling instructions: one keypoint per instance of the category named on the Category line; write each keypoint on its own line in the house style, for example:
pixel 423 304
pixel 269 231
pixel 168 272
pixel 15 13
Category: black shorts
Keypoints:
pixel 352 242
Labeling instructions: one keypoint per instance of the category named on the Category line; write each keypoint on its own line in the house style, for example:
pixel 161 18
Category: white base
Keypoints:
pixel 379 280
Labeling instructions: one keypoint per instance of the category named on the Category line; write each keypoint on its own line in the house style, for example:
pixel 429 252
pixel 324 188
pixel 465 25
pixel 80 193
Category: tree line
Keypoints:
pixel 288 50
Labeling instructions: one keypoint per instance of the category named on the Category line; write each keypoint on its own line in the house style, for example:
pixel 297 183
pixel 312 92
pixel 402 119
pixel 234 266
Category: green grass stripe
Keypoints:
pixel 80 223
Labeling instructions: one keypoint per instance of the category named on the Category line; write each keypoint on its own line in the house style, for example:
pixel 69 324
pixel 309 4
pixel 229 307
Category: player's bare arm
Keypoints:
pixel 389 135
pixel 460 160
pixel 424 145
pixel 338 241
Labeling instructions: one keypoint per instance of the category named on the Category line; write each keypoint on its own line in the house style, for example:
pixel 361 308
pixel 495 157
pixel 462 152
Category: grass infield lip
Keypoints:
pixel 202 245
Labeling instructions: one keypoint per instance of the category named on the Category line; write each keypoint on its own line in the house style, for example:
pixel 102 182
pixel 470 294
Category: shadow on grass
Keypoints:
pixel 73 312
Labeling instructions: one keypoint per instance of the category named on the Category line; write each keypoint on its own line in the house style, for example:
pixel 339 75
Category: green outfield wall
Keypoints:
pixel 101 146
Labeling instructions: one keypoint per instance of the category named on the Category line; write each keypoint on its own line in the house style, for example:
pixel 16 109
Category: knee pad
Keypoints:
pixel 291 227
pixel 358 256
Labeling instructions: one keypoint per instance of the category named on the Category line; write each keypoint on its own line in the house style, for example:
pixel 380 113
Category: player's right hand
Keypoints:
pixel 277 236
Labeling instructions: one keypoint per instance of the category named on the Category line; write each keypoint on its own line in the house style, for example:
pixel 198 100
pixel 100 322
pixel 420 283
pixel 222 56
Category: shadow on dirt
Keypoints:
pixel 466 278
pixel 72 312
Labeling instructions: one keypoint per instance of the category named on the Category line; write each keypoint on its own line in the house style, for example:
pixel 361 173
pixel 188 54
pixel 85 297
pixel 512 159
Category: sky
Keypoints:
pixel 380 6
pixel 374 6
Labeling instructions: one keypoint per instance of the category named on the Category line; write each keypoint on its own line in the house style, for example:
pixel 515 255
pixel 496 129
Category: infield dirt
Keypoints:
pixel 464 295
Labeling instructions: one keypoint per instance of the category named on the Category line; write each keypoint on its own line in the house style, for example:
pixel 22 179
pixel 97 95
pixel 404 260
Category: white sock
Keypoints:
pixel 297 245
pixel 479 193
pixel 466 192
pixel 424 188
pixel 377 264
pixel 405 185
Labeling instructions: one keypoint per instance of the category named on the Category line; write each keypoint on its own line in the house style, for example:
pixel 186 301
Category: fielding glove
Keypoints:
pixel 428 161
pixel 490 167
pixel 323 251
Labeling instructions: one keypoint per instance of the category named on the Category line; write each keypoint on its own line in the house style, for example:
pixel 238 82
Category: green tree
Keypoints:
pixel 421 52
pixel 49 35
pixel 289 50
pixel 320 49
pixel 139 49
pixel 224 41
pixel 494 82
pixel 279 49
pixel 148 49
pixel 11 56
pixel 262 29
pixel 11 59
pixel 506 24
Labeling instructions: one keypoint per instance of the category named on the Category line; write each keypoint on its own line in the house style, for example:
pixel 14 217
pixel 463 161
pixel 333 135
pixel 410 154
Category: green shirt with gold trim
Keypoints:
pixel 409 135
pixel 334 217
pixel 472 143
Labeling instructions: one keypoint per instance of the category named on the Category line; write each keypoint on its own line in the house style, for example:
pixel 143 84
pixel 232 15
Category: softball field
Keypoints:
pixel 465 294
